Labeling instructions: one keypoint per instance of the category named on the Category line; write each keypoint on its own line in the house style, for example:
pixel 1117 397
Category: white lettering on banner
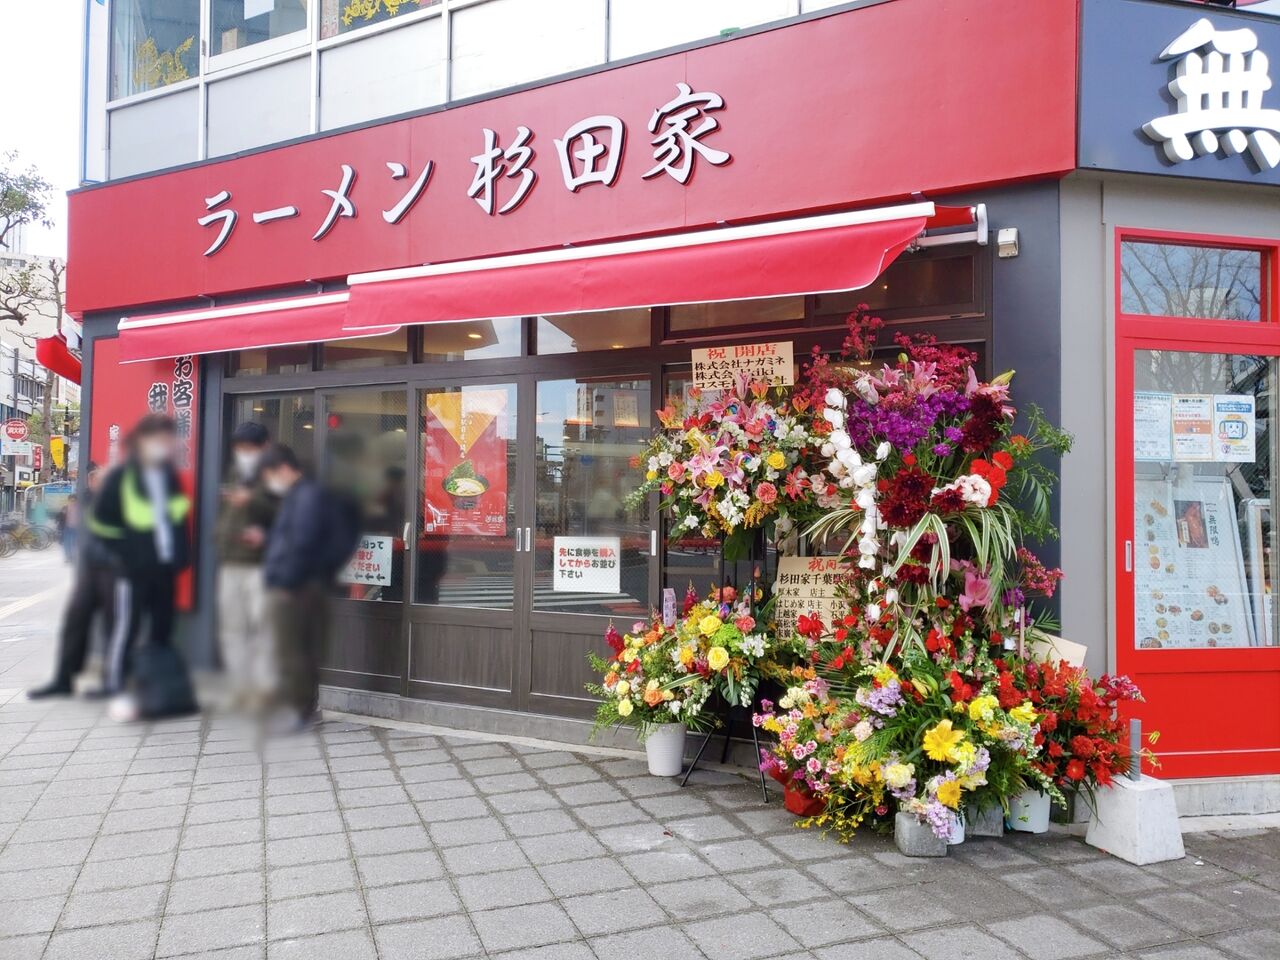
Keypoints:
pixel 589 152
pixel 586 565
pixel 806 586
pixel 720 368
pixel 371 563
pixel 1222 76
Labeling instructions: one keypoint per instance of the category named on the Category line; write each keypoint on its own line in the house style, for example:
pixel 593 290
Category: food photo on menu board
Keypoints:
pixel 1189 572
pixel 465 463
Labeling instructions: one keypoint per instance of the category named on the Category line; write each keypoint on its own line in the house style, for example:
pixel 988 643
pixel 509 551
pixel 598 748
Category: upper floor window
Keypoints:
pixel 236 24
pixel 1160 278
pixel 153 43
pixel 343 16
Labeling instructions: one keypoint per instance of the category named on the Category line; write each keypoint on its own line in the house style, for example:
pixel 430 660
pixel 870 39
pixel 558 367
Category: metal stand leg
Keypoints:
pixel 696 757
pixel 755 739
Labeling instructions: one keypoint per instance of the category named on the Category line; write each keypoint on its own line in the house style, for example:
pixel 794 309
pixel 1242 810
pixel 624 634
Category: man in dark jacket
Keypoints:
pixel 247 511
pixel 297 577
pixel 141 518
pixel 93 594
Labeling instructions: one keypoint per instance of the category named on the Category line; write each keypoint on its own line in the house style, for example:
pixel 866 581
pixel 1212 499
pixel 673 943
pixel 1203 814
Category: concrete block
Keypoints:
pixel 916 839
pixel 987 822
pixel 1137 821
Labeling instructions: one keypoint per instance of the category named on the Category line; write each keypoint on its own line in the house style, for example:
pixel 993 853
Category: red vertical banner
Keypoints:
pixel 122 393
pixel 465 463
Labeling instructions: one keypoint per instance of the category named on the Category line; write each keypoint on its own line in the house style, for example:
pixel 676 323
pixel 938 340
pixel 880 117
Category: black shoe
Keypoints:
pixel 54 689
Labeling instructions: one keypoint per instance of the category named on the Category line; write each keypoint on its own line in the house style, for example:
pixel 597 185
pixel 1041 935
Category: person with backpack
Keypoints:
pixel 313 536
pixel 140 516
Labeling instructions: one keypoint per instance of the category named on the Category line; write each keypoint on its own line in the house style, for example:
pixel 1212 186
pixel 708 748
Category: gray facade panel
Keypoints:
pixel 153 134
pixel 260 107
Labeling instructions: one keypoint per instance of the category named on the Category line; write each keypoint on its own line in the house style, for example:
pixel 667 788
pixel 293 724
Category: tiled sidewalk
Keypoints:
pixel 176 839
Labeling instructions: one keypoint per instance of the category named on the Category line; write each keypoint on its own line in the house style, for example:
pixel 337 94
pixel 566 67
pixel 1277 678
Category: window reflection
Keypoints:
pixel 472 339
pixel 592 549
pixel 1180 280
pixel 343 16
pixel 154 43
pixel 236 24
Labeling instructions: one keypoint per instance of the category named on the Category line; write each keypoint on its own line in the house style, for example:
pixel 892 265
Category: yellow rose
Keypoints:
pixel 717 658
pixel 713 479
pixel 776 460
pixel 710 624
pixel 1024 712
pixel 949 793
pixel 624 708
pixel 622 689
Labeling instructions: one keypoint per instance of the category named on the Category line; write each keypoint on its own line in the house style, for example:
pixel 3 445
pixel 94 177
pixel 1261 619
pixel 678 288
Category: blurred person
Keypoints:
pixel 141 516
pixel 92 599
pixel 248 509
pixel 313 536
pixel 68 522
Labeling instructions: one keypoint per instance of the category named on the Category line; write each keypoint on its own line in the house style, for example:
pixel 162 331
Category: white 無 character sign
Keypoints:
pixel 1222 76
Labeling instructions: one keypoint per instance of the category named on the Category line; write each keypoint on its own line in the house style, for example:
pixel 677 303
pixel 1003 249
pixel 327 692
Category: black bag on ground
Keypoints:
pixel 161 683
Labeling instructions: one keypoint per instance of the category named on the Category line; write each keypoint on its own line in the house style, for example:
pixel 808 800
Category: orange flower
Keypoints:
pixel 653 696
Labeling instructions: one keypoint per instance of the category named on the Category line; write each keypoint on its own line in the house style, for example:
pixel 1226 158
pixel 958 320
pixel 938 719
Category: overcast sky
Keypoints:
pixel 40 74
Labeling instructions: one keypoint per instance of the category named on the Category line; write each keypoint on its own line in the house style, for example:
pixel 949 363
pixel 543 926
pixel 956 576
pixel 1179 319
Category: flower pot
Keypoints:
pixel 915 838
pixel 1076 810
pixel 957 835
pixel 986 822
pixel 664 748
pixel 1029 812
pixel 801 802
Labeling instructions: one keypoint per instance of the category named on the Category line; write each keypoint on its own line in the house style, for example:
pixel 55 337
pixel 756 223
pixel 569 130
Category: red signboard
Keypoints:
pixel 15 429
pixel 852 109
pixel 122 393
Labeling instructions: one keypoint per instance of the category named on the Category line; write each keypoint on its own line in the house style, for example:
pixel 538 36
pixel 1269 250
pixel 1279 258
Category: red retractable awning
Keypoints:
pixel 244 326
pixel 52 353
pixel 841 251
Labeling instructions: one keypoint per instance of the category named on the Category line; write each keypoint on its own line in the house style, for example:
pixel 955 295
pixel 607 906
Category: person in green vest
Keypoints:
pixel 140 515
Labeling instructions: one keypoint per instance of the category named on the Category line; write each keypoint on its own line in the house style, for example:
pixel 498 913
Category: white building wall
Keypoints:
pixel 421 57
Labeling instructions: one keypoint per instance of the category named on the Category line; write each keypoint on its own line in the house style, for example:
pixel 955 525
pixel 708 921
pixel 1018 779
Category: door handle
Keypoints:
pixel 1128 556
pixel 528 539
pixel 653 543
pixel 408 525
pixel 517 539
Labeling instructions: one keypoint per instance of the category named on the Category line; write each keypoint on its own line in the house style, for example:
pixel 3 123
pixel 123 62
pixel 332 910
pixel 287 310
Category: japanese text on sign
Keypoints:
pixel 720 368
pixel 807 585
pixel 589 152
pixel 586 565
pixel 371 563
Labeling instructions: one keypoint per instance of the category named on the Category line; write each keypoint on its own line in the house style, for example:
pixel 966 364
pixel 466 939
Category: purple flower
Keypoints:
pixel 942 450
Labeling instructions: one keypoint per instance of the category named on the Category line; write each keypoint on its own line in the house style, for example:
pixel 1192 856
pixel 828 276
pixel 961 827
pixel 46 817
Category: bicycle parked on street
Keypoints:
pixel 16 532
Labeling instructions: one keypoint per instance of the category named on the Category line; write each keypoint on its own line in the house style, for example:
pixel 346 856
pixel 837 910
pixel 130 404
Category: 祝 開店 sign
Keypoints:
pixel 586 565
pixel 720 368
pixel 807 585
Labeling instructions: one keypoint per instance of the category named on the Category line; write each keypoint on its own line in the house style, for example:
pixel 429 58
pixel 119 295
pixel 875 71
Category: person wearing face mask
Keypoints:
pixel 314 535
pixel 246 513
pixel 140 516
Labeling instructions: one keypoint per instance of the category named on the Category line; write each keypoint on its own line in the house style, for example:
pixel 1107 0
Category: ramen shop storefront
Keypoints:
pixel 478 357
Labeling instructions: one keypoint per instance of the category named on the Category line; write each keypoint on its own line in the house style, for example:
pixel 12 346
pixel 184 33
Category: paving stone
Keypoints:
pixel 526 926
pixel 699 898
pixel 459 833
pixel 904 908
pixel 111 874
pixel 399 868
pixel 412 901
pixel 539 823
pixel 1184 951
pixel 220 834
pixel 1124 927
pixel 705 829
pixel 208 893
pixel 559 847
pixel 773 887
pixel 31 884
pixel 211 929
pixel 879 949
pixel 31 916
pixel 506 888
pixel 321 913
pixel 311 878
pixel 370 818
pixel 115 906
pixel 461 808
pixel 65 828
pixel 598 914
pixel 208 861
pixel 443 938
pixel 118 846
pixel 389 840
pixel 296 850
pixel 1188 911
pixel 742 937
pixel 35 856
pixel 128 941
pixel 484 857
pixel 737 855
pixel 1043 937
pixel 665 865
pixel 568 879
pixel 1261 943
pixel 348 945
pixel 965 942
pixel 654 942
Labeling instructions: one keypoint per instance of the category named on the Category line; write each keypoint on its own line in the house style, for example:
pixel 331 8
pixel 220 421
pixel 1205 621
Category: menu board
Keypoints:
pixel 465 463
pixel 807 585
pixel 1194 427
pixel 586 565
pixel 1189 581
pixel 720 368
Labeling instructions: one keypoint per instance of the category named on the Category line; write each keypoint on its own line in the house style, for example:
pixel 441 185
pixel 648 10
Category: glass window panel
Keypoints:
pixel 256 363
pixel 290 418
pixel 153 43
pixel 1203 541
pixel 366 458
pixel 237 24
pixel 692 317
pixel 912 284
pixel 603 330
pixel 1180 280
pixel 343 16
pixel 588 431
pixel 466 504
pixel 359 353
pixel 472 339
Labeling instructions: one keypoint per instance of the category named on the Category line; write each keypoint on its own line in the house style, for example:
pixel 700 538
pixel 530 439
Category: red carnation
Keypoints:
pixel 1075 770
pixel 1082 747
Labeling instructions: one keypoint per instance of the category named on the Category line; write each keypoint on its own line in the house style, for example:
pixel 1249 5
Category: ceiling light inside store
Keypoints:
pixel 474 336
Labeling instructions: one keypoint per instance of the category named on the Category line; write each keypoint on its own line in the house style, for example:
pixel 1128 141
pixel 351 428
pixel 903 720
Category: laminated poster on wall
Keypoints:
pixel 805 586
pixel 1190 589
pixel 586 565
pixel 465 463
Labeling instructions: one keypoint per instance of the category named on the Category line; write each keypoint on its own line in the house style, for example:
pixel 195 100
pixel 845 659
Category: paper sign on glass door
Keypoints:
pixel 1192 427
pixel 1153 426
pixel 586 565
pixel 1234 428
